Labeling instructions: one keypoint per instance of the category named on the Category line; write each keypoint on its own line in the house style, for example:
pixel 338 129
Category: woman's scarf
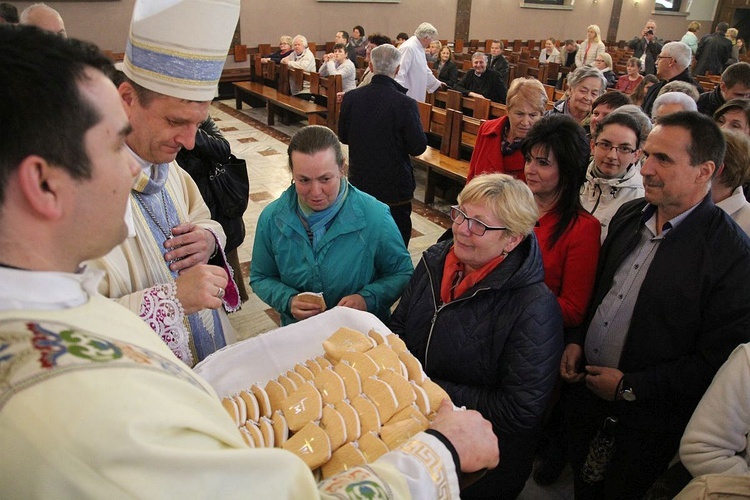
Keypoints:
pixel 317 222
pixel 456 282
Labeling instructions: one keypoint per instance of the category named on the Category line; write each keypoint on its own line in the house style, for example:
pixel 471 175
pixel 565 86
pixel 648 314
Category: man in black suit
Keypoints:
pixel 482 81
pixel 497 60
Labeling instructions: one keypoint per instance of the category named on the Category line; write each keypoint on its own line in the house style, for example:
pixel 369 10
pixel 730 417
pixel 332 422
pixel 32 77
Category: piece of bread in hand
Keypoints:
pixel 313 298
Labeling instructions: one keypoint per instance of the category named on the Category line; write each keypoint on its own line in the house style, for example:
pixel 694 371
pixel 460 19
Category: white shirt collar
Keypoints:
pixel 48 291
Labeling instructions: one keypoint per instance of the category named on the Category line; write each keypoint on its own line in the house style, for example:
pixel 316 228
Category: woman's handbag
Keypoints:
pixel 230 187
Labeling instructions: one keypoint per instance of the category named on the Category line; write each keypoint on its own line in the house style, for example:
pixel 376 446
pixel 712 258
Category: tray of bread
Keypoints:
pixel 339 390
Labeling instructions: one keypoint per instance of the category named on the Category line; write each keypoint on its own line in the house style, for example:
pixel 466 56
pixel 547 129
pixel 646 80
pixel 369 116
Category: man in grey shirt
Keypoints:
pixel 669 305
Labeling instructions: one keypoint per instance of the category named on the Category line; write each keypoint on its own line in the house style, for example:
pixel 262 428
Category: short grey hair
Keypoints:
pixel 680 86
pixel 426 30
pixel 642 118
pixel 26 13
pixel 684 100
pixel 385 60
pixel 680 52
pixel 584 72
pixel 302 39
pixel 478 54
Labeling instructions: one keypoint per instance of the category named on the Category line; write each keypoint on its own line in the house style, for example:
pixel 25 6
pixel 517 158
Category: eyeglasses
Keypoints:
pixel 606 146
pixel 475 226
pixel 664 57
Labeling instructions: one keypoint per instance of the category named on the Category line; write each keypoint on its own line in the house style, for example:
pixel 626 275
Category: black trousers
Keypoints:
pixel 401 214
pixel 640 455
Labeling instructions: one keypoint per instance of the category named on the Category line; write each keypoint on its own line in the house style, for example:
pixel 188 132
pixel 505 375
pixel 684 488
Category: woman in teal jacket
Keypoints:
pixel 324 235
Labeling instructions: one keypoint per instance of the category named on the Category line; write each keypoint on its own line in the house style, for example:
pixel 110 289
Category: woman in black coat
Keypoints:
pixel 210 148
pixel 479 317
pixel 446 68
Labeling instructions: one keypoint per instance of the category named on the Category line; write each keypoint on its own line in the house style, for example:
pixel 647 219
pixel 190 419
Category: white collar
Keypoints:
pixel 736 201
pixel 48 291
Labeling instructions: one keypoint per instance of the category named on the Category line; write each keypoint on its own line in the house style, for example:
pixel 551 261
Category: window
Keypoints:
pixel 668 5
pixel 547 4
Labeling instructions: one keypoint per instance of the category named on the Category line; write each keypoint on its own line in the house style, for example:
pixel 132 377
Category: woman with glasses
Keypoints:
pixel 478 316
pixel 285 48
pixel 614 175
pixel 603 63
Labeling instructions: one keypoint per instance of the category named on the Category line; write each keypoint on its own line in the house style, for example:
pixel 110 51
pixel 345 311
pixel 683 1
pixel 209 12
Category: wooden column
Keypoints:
pixel 614 21
pixel 463 18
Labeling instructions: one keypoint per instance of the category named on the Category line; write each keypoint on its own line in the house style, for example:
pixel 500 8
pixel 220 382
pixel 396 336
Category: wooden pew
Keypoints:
pixel 443 162
pixel 478 107
pixel 254 93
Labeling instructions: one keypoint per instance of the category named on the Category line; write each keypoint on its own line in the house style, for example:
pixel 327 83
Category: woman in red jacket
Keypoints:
pixel 498 146
pixel 556 152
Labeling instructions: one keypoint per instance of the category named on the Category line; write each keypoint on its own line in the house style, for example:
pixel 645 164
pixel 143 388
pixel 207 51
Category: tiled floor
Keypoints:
pixel 264 148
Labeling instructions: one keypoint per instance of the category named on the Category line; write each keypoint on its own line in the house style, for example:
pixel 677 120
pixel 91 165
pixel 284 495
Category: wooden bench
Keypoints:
pixel 445 161
pixel 254 93
pixel 276 100
pixel 478 107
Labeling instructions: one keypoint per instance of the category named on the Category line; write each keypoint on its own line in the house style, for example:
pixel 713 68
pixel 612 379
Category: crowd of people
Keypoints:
pixel 593 283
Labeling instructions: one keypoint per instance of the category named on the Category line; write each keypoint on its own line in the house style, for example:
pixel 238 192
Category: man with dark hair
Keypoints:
pixel 570 51
pixel 714 50
pixel 351 51
pixel 8 13
pixel 735 84
pixel 381 125
pixel 480 81
pixel 670 304
pixel 93 403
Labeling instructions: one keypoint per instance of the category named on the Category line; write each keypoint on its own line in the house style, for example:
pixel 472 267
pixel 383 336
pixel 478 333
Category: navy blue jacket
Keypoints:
pixel 496 349
pixel 381 125
pixel 692 310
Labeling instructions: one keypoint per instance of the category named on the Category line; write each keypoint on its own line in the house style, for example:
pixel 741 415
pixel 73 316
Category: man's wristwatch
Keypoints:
pixel 626 392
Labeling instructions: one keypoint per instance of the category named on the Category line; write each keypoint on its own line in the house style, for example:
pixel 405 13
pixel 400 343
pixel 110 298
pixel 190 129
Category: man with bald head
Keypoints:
pixel 44 17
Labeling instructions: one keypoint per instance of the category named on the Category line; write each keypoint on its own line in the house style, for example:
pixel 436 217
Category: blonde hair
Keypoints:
pixel 607 59
pixel 530 90
pixel 509 199
pixel 597 31
pixel 736 160
pixel 694 26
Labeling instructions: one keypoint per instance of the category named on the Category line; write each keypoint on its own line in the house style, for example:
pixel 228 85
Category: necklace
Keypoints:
pixel 166 232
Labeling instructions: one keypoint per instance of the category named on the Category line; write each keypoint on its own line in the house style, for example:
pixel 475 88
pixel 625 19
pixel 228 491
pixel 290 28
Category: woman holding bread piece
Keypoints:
pixel 485 327
pixel 324 235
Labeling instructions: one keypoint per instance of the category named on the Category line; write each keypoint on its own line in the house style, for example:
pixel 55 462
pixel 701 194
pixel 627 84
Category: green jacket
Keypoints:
pixel 362 252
